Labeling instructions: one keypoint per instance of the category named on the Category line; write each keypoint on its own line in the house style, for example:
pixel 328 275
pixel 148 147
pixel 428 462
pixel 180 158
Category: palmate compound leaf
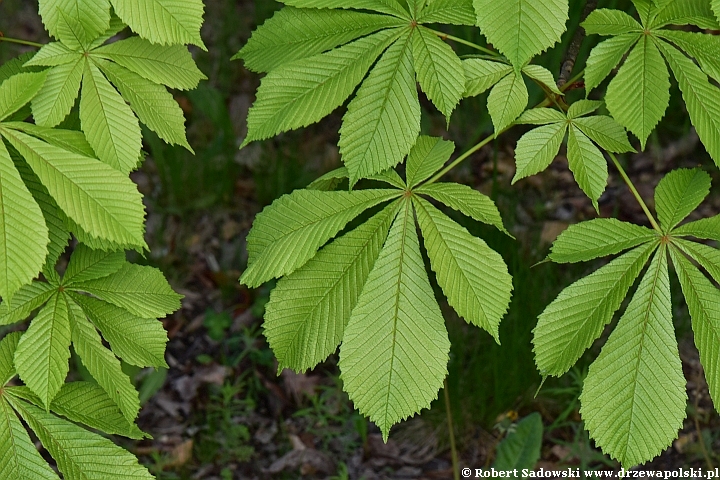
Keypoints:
pixel 100 199
pixel 537 149
pixel 142 291
pixel 678 194
pixel 693 12
pixel 395 350
pixel 521 29
pixel 167 22
pixel 605 21
pixel 437 66
pixel 473 277
pixel 27 299
pixel 480 75
pixel 597 238
pixel 633 401
pixel 605 57
pixel 703 300
pixel 576 318
pixel 467 201
pixel 587 164
pixel 640 92
pixel 80 454
pixel 108 122
pixel 172 65
pixel 293 33
pixel 51 55
pixel 289 232
pixel 707 257
pixel 383 120
pixel 42 355
pixel 87 264
pixel 703 48
pixel 701 98
pixel 390 7
pixel 427 156
pixel 19 459
pixel 705 229
pixel 53 103
pixel 18 90
pixel 308 310
pixel 23 232
pixel 300 93
pixel 100 362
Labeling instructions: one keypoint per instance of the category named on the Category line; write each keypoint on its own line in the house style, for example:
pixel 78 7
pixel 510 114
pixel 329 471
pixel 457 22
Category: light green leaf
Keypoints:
pixel 605 57
pixel 288 233
pixel 116 26
pixel 473 277
pixel 389 176
pixel 507 100
pixel 633 401
pixel 716 7
pixel 678 194
pixel 452 12
pixel 704 48
pixel 293 34
pixel 8 345
pixel 167 22
pixel 707 257
pixel 701 98
pixel 521 29
pixel 383 120
pixel 537 149
pixel 437 66
pixel 52 55
pixel 138 341
pixel 541 116
pixel 395 350
pixel 80 454
pixel 54 102
pixel 606 132
pixel 587 164
pixel 42 355
pixel 605 21
pixel 102 364
pixel 19 459
pixel 391 7
pixel 18 90
pixel 15 66
pixel 172 66
pixel 705 229
pixel 100 199
pixel 596 238
pixel 300 93
pixel 543 76
pixel 57 233
pixel 142 291
pixel 693 12
pixel 23 233
pixel 108 122
pixel 572 322
pixel 467 201
pixel 703 300
pixel 521 448
pixel 27 299
pixel 94 242
pixel 92 16
pixel 70 140
pixel 640 92
pixel 330 180
pixel 153 104
pixel 87 403
pixel 87 264
pixel 644 7
pixel 481 74
pixel 427 156
pixel 308 310
pixel 582 108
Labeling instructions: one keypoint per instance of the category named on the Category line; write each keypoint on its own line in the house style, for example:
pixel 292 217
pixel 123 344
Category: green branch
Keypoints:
pixel 445 36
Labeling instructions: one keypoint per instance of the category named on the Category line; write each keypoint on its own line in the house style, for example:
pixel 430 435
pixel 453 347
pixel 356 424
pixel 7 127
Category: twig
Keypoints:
pixel 451 432
pixel 574 48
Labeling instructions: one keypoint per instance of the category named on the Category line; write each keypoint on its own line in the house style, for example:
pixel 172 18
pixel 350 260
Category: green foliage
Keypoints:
pixel 633 400
pixel 368 290
pixel 57 182
pixel 520 449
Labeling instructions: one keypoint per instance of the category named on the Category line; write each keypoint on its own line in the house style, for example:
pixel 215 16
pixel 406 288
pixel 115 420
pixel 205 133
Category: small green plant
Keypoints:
pixel 367 291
